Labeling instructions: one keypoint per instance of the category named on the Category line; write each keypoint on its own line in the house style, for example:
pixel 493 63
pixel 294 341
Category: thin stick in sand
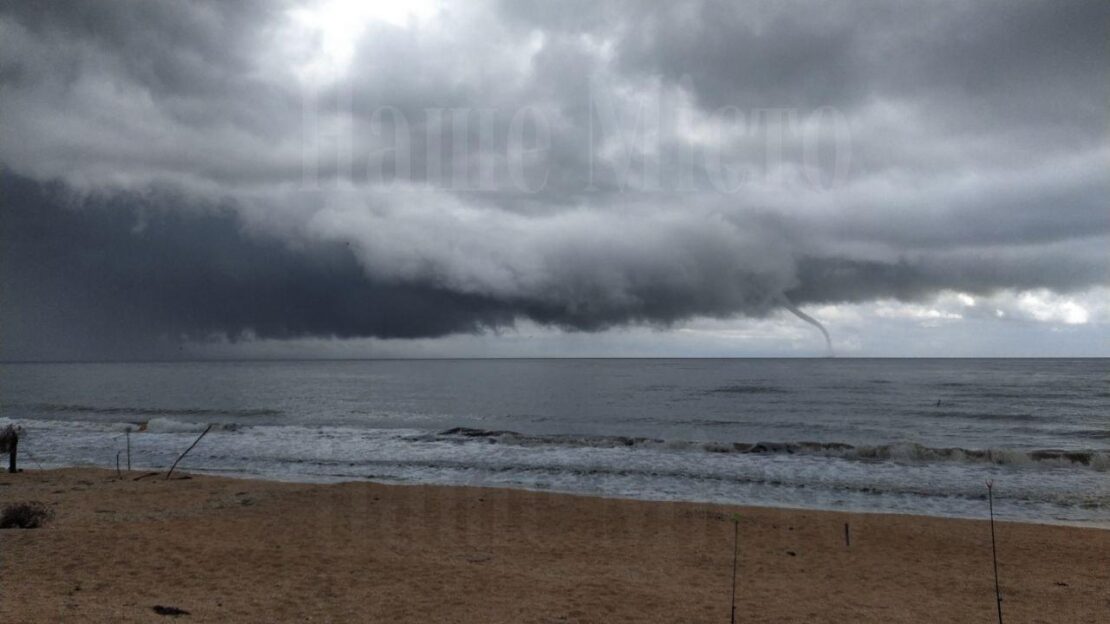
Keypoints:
pixel 9 443
pixel 203 433
pixel 994 550
pixel 735 551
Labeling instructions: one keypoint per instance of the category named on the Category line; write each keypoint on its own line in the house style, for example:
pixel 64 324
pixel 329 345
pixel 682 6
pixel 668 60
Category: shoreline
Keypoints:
pixel 258 550
pixel 1081 524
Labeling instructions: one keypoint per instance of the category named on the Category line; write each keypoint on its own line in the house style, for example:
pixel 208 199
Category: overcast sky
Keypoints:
pixel 362 179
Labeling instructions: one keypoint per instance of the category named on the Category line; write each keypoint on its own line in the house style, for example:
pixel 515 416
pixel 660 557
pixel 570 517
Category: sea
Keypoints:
pixel 919 436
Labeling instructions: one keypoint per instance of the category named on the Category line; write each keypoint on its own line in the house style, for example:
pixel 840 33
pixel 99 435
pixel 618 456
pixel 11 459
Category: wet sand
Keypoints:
pixel 233 550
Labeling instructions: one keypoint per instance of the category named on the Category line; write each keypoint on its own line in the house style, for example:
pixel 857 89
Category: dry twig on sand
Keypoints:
pixel 203 433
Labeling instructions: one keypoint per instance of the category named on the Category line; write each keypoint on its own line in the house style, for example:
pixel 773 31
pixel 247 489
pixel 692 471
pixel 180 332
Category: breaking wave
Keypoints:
pixel 906 451
pixel 169 425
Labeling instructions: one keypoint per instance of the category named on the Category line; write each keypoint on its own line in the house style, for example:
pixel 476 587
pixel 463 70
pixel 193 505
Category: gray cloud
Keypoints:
pixel 153 186
pixel 143 274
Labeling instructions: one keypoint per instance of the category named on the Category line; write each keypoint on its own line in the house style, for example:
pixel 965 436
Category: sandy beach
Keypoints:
pixel 233 550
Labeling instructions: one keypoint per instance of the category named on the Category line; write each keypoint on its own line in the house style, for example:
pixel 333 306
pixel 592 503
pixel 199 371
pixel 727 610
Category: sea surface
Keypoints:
pixel 906 436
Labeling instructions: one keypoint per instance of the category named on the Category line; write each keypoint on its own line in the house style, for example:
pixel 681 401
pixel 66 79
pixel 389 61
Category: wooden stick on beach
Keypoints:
pixel 994 550
pixel 9 443
pixel 735 550
pixel 203 433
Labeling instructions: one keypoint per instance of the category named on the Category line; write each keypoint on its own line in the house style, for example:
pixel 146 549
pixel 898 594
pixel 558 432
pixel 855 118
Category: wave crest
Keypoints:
pixel 903 451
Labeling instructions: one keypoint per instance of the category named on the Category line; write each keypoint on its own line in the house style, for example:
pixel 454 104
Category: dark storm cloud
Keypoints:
pixel 129 265
pixel 155 159
pixel 133 265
